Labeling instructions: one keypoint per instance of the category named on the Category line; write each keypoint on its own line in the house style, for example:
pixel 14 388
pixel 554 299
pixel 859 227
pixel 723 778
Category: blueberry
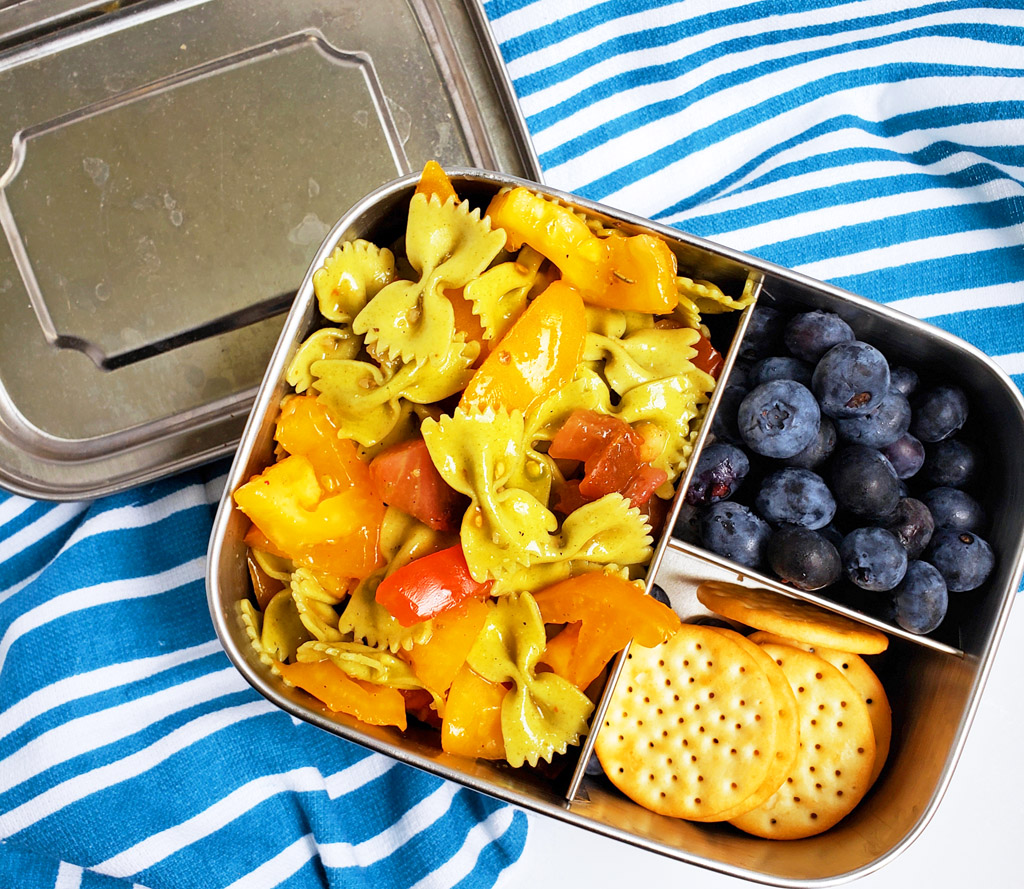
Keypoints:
pixel 687 526
pixel 920 600
pixel 659 595
pixel 764 332
pixel 913 524
pixel 955 509
pixel 903 380
pixel 795 496
pixel 778 419
pixel 851 379
pixel 950 463
pixel 803 558
pixel 873 558
pixel 864 482
pixel 810 335
pixel 820 448
pixel 939 413
pixel 906 455
pixel 723 424
pixel 734 531
pixel 780 367
pixel 719 471
pixel 964 560
pixel 884 425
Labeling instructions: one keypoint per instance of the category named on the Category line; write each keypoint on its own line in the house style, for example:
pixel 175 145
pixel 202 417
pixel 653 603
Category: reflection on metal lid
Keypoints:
pixel 173 168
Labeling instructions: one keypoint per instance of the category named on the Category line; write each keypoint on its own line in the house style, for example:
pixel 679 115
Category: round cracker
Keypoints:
pixel 784 616
pixel 863 679
pixel 691 725
pixel 787 741
pixel 837 752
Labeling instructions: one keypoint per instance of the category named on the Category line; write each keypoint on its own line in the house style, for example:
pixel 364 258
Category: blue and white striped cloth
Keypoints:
pixel 873 144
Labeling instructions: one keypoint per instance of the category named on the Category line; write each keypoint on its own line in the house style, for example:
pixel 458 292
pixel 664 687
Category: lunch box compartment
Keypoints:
pixel 933 686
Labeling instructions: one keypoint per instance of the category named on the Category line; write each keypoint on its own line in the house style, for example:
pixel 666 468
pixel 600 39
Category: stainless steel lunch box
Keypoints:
pixel 934 684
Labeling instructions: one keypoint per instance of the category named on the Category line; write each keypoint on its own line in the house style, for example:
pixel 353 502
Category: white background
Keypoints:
pixel 976 837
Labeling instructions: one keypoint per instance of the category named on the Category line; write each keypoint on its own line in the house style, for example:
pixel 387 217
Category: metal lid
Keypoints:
pixel 169 170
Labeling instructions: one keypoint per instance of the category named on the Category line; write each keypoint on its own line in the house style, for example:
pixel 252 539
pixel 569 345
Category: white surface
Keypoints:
pixel 974 839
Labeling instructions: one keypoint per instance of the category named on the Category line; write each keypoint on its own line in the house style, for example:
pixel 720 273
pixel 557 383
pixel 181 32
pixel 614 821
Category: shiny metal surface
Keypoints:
pixel 167 171
pixel 934 688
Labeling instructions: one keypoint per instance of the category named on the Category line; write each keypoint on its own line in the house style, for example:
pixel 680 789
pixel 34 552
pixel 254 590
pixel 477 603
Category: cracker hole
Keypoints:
pixel 814 722
pixel 801 689
pixel 817 786
pixel 675 777
pixel 696 706
pixel 734 785
pixel 817 675
pixel 814 815
pixel 811 768
pixel 774 821
pixel 860 749
pixel 733 751
pixel 675 697
pixel 846 666
pixel 714 740
pixel 662 795
pixel 721 717
pixel 842 703
pixel 817 746
pixel 757 752
pixel 629 688
pixel 639 722
pixel 693 758
pixel 696 800
pixel 647 700
pixel 621 770
pixel 691 679
pixel 839 793
pixel 660 712
pixel 821 706
pixel 868 701
pixel 700 779
pixel 668 682
pixel 650 777
pixel 796 799
pixel 838 773
pixel 711 694
pixel 789 780
pixel 839 723
pixel 661 663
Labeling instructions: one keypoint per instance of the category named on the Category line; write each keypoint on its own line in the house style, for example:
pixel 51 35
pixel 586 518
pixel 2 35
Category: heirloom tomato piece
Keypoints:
pixel 436 661
pixel 373 704
pixel 612 611
pixel 611 451
pixel 472 717
pixel 643 275
pixel 429 586
pixel 556 233
pixel 405 477
pixel 537 356
pixel 434 181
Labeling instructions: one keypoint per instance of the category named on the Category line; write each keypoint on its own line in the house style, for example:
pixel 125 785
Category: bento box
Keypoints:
pixel 933 680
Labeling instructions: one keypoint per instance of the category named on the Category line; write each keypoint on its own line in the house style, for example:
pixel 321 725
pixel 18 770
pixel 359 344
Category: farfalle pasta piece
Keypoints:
pixel 709 298
pixel 282 631
pixel 542 714
pixel 315 606
pixel 643 356
pixel 672 404
pixel 499 295
pixel 367 664
pixel 448 245
pixel 507 528
pixel 252 621
pixel 367 399
pixel 354 273
pixel 477 453
pixel 402 539
pixel 334 343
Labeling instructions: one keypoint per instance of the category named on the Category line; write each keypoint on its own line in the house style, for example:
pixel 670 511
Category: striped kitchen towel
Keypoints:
pixel 872 144
pixel 132 751
pixel 877 145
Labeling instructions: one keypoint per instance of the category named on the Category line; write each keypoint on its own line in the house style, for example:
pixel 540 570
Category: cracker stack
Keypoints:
pixel 780 733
